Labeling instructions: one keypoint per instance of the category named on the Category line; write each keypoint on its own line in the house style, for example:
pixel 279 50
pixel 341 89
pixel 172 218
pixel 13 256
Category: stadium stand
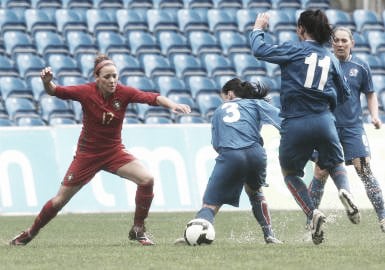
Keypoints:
pixel 18 42
pixel 186 65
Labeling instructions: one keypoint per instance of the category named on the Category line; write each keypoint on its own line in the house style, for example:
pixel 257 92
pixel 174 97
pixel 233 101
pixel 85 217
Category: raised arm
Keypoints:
pixel 46 76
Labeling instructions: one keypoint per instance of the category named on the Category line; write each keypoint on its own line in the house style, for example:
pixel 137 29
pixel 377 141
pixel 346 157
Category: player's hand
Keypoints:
pixel 376 122
pixel 262 21
pixel 181 108
pixel 46 75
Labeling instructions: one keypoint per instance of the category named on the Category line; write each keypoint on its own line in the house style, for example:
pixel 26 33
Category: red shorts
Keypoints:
pixel 84 166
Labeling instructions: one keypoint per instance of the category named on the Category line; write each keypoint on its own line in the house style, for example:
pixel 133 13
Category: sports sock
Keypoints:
pixel 316 191
pixel 339 176
pixel 206 213
pixel 143 200
pixel 300 193
pixel 47 213
pixel 261 212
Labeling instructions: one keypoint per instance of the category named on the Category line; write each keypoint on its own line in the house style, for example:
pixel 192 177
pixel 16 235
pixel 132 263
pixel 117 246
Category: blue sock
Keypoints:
pixel 300 193
pixel 316 191
pixel 206 213
pixel 339 176
pixel 261 212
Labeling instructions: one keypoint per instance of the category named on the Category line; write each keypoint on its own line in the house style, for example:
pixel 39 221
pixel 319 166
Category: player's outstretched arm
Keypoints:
pixel 46 76
pixel 175 107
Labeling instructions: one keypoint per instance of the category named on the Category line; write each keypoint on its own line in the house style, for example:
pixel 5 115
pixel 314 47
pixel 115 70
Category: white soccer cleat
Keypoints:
pixel 272 240
pixel 350 207
pixel 382 225
pixel 316 224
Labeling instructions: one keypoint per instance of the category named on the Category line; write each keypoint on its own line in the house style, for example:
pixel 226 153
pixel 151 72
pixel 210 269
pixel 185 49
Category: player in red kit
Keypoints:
pixel 100 145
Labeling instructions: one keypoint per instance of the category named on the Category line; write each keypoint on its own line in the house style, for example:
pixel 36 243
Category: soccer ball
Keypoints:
pixel 199 231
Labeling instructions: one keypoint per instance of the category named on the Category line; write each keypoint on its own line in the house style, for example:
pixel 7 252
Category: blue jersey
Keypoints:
pixel 311 77
pixel 237 123
pixel 349 114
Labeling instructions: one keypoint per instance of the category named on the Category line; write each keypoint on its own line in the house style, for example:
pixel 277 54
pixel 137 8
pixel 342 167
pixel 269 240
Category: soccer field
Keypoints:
pixel 99 241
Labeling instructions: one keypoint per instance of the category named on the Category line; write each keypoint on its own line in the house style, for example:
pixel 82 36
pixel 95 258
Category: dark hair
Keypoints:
pixel 245 89
pixel 316 24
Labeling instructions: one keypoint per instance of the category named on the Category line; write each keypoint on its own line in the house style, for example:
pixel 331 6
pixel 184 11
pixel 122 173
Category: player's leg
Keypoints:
pixel 317 185
pixel 372 187
pixel 136 172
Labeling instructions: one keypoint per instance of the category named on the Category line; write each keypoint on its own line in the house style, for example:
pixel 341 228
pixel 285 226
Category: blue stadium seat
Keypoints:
pixel 233 43
pixel 7 67
pixel 286 4
pixel 69 20
pixel 191 20
pixel 144 110
pixel 172 43
pixel 36 85
pixel 187 65
pixel 271 83
pixel 284 36
pixel 156 120
pixel 160 20
pixel 165 4
pixel 366 20
pixel 29 121
pixel 86 64
pixel 16 3
pixel 228 4
pixel 281 21
pixel 184 98
pixel 18 42
pixel 191 118
pixel 217 64
pixel 108 4
pixel 111 42
pixel 14 87
pixel 201 84
pixel 378 83
pixel 142 43
pixel 99 20
pixel 169 84
pixel 257 4
pixel 10 21
pixel 127 65
pixel 375 63
pixel 207 103
pixel 140 82
pixel 29 64
pixel 48 42
pixel 376 40
pixel 247 65
pixel 131 119
pixel 46 4
pixel 195 4
pixel 131 20
pixel 51 107
pixel 361 44
pixel 316 4
pixel 37 20
pixel 77 4
pixel 221 20
pixel 156 65
pixel 63 65
pixel 80 42
pixel 58 120
pixel 5 122
pixel 17 107
pixel 72 80
pixel 203 42
pixel 245 19
pixel 340 17
pixel 273 70
pixel 138 4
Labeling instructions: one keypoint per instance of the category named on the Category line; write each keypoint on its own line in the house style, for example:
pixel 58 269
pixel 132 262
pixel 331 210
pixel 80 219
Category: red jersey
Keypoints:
pixel 103 118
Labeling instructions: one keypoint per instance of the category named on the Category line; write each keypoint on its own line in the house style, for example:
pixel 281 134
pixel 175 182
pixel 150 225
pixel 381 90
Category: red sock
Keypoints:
pixel 47 213
pixel 143 200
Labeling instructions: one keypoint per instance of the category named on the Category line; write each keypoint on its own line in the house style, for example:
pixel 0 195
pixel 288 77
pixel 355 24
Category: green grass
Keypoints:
pixel 99 241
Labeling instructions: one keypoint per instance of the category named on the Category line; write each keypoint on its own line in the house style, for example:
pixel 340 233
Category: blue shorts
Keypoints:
pixel 234 168
pixel 354 142
pixel 301 136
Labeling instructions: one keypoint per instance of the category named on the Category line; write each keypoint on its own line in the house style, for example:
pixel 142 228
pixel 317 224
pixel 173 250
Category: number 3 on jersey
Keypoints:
pixel 232 112
pixel 312 61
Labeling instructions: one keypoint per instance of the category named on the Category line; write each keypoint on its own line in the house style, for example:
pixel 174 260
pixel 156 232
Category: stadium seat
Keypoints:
pixel 281 21
pixel 138 4
pixel 170 84
pixel 257 4
pixel 201 84
pixel 286 4
pixel 127 65
pixel 99 20
pixel 51 107
pixel 10 21
pixel 131 119
pixel 207 103
pixel 271 83
pixel 58 120
pixel 69 20
pixel 340 17
pixel 5 122
pixel 37 20
pixel 72 80
pixel 217 64
pixel 221 20
pixel 378 83
pixel 187 65
pixel 195 4
pixel 16 3
pixel 366 20
pixel 245 19
pixel 108 4
pixel 29 121
pixel 316 4
pixel 361 44
pixel 184 98
pixel 63 65
pixel 247 65
pixel 17 107
pixel 111 42
pixel 80 42
pixel 144 110
pixel 86 64
pixel 77 4
pixel 273 70
pixel 29 64
pixel 375 63
pixel 284 36
pixel 48 42
pixel 131 20
pixel 191 118
pixel 140 82
pixel 142 43
pixel 228 4
pixel 36 85
pixel 7 67
pixel 376 40
pixel 191 20
pixel 156 65
pixel 173 42
pixel 18 42
pixel 160 20
pixel 233 43
pixel 168 4
pixel 203 42
pixel 154 119
pixel 14 87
